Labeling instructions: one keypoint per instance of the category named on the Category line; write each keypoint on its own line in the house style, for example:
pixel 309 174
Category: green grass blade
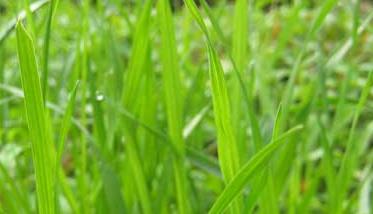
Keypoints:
pixel 195 121
pixel 52 6
pixel 29 18
pixel 111 185
pixel 226 140
pixel 350 156
pixel 251 168
pixel 173 96
pixel 66 122
pixel 41 144
pixel 213 20
pixel 5 32
pixel 323 12
pixel 131 89
pixel 240 56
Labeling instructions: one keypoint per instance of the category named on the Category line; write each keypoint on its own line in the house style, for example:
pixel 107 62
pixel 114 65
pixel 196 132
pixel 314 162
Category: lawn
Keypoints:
pixel 193 106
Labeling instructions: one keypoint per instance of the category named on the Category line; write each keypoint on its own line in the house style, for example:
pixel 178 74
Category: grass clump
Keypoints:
pixel 171 106
pixel 37 121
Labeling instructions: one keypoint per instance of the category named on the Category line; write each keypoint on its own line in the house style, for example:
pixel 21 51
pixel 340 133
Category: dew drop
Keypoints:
pixel 99 96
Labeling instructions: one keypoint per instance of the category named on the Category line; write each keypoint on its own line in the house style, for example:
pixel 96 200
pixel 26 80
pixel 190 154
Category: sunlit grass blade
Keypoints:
pixel 194 122
pixel 238 55
pixel 240 60
pixel 262 184
pixel 173 95
pixel 226 139
pixel 6 30
pixel 41 144
pixel 132 82
pixel 252 167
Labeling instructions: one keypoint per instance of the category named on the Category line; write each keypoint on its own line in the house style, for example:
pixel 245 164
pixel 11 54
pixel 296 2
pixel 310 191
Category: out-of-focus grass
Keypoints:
pixel 176 109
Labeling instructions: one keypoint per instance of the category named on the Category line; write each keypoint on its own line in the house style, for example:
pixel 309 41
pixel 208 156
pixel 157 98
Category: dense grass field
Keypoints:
pixel 159 106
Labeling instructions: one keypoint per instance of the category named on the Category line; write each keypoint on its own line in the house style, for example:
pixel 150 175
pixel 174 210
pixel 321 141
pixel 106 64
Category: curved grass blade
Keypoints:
pixel 252 167
pixel 226 140
pixel 240 55
pixel 229 159
pixel 41 143
pixel 22 15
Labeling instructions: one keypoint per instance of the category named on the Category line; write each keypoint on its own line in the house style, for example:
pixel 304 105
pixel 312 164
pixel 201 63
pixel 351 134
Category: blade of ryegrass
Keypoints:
pixel 341 103
pixel 349 158
pixel 132 82
pixel 51 9
pixel 171 74
pixel 268 203
pixel 65 126
pixel 263 183
pixel 252 167
pixel 5 32
pixel 356 21
pixel 4 105
pixel 30 19
pixel 110 180
pixel 327 160
pixel 213 20
pixel 63 184
pixel 195 121
pixel 239 81
pixel 41 143
pixel 172 89
pixel 80 150
pixel 240 57
pixel 66 123
pixel 111 184
pixel 226 139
